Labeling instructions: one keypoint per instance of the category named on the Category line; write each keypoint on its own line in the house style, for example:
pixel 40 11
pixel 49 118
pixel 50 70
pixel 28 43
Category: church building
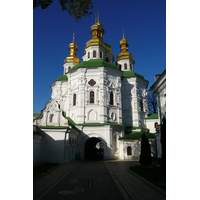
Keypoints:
pixel 97 110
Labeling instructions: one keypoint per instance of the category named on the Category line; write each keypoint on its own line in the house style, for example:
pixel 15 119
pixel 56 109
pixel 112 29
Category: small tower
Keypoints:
pixel 124 58
pixel 96 48
pixel 71 60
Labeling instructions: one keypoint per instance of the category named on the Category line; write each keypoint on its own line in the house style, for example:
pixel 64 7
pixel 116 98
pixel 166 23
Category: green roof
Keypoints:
pixel 53 127
pixel 153 116
pixel 128 74
pixel 62 78
pixel 94 63
pixel 100 124
pixel 137 136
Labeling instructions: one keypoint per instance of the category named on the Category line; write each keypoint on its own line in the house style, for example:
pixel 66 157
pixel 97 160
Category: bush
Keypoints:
pixel 145 155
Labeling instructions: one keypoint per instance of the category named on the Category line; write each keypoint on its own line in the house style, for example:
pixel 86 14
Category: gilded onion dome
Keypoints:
pixel 72 50
pixel 97 32
pixel 124 54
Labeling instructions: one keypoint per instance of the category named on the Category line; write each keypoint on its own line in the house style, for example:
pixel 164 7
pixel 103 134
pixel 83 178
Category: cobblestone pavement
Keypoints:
pixel 132 186
pixel 94 180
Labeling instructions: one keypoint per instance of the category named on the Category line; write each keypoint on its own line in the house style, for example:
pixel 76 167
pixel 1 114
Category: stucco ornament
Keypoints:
pixel 144 93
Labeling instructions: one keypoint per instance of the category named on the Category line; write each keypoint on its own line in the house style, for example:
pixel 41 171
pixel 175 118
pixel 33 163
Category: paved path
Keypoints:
pixel 94 180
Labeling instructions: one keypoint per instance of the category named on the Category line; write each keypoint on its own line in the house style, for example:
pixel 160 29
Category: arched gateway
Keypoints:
pixel 94 149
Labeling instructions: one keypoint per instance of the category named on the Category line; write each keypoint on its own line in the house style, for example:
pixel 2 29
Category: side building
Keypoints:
pixel 159 89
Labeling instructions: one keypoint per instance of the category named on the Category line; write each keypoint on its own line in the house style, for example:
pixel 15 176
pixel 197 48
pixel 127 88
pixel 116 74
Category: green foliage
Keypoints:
pixel 76 8
pixel 151 174
pixel 145 155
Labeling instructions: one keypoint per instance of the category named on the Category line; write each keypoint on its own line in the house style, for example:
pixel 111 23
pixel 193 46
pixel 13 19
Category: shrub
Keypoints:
pixel 145 155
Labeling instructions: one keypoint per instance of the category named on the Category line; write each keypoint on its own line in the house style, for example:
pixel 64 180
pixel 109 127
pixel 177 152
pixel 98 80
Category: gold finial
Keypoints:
pixel 98 15
pixel 73 37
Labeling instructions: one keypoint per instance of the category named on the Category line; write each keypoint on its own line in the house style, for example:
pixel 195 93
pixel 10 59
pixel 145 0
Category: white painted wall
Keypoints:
pixel 150 124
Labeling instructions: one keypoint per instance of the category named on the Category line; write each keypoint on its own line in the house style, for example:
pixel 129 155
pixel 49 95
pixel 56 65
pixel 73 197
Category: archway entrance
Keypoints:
pixel 94 149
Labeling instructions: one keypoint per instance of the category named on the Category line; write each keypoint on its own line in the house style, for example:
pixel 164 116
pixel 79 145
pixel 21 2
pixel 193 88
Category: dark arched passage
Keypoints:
pixel 94 149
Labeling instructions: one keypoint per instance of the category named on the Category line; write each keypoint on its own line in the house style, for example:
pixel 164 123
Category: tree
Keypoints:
pixel 76 8
pixel 163 144
pixel 145 155
pixel 152 103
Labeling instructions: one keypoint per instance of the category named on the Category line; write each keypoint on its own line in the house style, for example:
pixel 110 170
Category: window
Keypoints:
pixel 125 66
pixel 111 98
pixel 107 60
pixel 51 118
pixel 141 105
pixel 69 69
pixel 101 54
pixel 74 99
pixel 88 54
pixel 129 151
pixel 91 97
pixel 120 67
pixel 94 54
pixel 92 82
pixel 156 125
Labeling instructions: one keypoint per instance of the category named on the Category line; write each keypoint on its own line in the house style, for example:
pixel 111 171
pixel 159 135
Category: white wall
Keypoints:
pixel 150 124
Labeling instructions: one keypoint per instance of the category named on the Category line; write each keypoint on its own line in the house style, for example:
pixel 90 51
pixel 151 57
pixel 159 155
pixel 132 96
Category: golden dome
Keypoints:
pixel 72 49
pixel 124 54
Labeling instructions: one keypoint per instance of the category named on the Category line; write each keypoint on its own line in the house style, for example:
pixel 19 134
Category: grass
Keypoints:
pixel 151 174
pixel 39 169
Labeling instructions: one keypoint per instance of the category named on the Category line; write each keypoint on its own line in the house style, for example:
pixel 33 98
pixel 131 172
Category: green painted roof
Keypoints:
pixel 137 136
pixel 53 127
pixel 62 78
pixel 72 123
pixel 100 124
pixel 153 116
pixel 94 63
pixel 128 74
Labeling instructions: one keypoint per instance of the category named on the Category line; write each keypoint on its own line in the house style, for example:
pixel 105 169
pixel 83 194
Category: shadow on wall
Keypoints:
pixel 60 146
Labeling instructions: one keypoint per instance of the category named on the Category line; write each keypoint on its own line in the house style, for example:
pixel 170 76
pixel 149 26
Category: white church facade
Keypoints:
pixel 97 109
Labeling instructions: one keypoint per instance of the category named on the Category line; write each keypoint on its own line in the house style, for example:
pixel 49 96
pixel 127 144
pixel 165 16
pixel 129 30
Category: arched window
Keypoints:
pixel 74 99
pixel 88 54
pixel 129 151
pixel 125 66
pixel 141 105
pixel 94 54
pixel 51 118
pixel 107 60
pixel 156 125
pixel 91 97
pixel 101 54
pixel 69 69
pixel 111 98
pixel 120 67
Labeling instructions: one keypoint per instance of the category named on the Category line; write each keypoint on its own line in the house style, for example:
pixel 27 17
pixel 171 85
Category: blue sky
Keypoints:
pixel 144 24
